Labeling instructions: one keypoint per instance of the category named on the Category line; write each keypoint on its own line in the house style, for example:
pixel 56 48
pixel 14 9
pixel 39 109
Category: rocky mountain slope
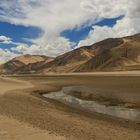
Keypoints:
pixel 71 61
pixel 18 64
pixel 113 54
pixel 125 56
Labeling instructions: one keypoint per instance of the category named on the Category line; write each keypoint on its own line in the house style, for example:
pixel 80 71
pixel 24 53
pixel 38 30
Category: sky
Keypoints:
pixel 53 27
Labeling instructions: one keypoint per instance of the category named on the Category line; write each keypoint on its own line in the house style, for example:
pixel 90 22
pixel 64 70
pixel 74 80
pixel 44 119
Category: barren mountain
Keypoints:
pixel 125 56
pixel 29 59
pixel 33 67
pixel 70 62
pixel 17 64
pixel 111 54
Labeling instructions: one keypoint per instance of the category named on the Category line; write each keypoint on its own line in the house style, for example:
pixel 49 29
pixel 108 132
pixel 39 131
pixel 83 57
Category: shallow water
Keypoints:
pixel 94 106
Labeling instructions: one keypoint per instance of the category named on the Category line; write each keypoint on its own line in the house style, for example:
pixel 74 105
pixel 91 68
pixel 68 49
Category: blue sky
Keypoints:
pixel 23 34
pixel 75 35
pixel 18 33
pixel 52 28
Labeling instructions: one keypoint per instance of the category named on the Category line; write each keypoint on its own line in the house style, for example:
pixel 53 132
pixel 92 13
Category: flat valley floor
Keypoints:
pixel 26 115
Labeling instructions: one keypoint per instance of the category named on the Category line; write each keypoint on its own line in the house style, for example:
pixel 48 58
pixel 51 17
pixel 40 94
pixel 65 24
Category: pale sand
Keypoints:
pixel 7 84
pixel 25 115
pixel 115 73
pixel 12 129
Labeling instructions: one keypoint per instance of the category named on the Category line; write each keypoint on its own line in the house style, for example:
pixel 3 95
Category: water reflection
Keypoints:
pixel 93 106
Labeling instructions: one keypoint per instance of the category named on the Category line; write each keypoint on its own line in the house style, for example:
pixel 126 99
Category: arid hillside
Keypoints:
pixel 125 56
pixel 18 64
pixel 71 61
pixel 113 54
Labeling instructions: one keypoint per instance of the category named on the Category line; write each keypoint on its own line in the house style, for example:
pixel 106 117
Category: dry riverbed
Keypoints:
pixel 25 114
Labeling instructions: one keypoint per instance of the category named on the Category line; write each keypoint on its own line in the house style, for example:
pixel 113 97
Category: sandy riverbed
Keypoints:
pixel 10 127
pixel 24 114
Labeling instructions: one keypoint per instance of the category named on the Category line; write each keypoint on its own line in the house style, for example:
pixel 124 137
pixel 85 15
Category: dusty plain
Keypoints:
pixel 26 115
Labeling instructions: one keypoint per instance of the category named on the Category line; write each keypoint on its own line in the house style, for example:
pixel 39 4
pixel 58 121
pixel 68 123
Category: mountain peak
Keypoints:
pixel 108 55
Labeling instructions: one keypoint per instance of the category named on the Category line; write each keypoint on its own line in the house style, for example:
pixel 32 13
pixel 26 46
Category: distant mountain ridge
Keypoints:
pixel 113 54
pixel 17 63
pixel 125 56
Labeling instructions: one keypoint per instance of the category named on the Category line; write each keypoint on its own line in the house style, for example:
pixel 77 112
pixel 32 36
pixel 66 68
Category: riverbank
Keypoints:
pixel 55 120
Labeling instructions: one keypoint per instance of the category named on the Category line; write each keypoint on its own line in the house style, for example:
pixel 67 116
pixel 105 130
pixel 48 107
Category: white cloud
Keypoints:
pixel 4 38
pixel 55 16
pixel 5 55
pixel 61 44
pixel 8 40
pixel 128 25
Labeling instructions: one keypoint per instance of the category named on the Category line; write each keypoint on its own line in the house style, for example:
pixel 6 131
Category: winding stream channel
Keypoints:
pixel 94 106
